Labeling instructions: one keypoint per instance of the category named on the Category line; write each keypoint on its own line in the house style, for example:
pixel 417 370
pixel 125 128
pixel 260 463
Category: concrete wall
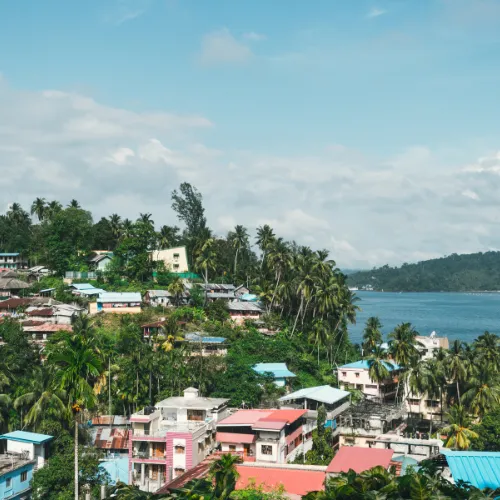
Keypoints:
pixel 16 485
pixel 176 264
pixel 354 377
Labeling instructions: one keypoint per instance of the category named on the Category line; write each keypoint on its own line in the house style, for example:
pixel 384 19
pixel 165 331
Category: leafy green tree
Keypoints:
pixel 225 475
pixel 321 452
pixel 176 288
pixel 459 429
pixel 217 311
pixel 488 432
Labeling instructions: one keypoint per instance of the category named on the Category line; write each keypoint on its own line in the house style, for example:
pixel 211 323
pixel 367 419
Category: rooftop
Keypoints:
pixel 323 394
pixel 26 437
pixel 279 370
pixel 359 459
pixel 81 286
pixel 48 327
pixel 120 297
pixel 479 468
pixel 192 402
pixel 13 254
pixel 244 306
pixel 92 291
pixel 263 419
pixel 364 364
pixel 197 337
pixel 11 461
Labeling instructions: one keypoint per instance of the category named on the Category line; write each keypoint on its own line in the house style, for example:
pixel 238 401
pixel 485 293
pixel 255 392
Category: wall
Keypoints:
pixel 167 256
pixel 93 309
pixel 16 485
pixel 19 447
pixel 358 377
pixel 267 458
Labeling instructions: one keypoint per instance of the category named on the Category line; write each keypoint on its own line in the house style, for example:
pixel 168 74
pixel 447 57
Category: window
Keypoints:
pixel 24 476
pixel 344 374
pixel 357 375
pixel 359 387
pixel 176 266
pixel 368 386
pixel 179 450
pixel 176 255
pixel 266 449
pixel 8 483
pixel 232 447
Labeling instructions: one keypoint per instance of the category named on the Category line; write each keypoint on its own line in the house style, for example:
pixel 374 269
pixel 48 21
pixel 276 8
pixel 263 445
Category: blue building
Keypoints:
pixel 21 454
pixel 280 372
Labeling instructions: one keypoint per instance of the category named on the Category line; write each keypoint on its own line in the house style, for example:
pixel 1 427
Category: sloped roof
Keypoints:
pixel 196 337
pixel 359 459
pixel 322 394
pixel 230 437
pixel 260 419
pixel 9 281
pixel 81 286
pixel 479 468
pixel 120 297
pixel 279 370
pixel 27 437
pixel 48 328
pixel 14 303
pixel 244 306
pixel 365 365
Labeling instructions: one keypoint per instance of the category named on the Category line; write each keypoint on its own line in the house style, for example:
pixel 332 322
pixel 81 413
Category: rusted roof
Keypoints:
pixel 41 312
pixel 111 439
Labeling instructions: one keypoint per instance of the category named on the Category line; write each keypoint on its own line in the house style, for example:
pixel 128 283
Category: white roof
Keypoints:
pixel 120 297
pixel 193 403
pixel 323 394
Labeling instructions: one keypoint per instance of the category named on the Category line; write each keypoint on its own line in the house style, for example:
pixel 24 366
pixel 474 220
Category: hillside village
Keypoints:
pixel 155 359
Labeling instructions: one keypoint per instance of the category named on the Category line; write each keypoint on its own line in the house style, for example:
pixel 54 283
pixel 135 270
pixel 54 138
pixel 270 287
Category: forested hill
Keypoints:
pixel 454 273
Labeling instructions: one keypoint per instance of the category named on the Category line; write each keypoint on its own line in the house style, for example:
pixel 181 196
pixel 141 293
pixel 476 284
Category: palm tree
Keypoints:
pixel 167 237
pixel 145 219
pixel 77 367
pixel 206 260
pixel 176 288
pixel 372 336
pixel 488 347
pixel 38 208
pixel 265 238
pixel 280 259
pixel 377 366
pixel 239 241
pixel 127 228
pixel 52 209
pixel 5 402
pixel 225 475
pixel 42 400
pixel 74 204
pixel 320 334
pixel 458 430
pixel 482 391
pixel 455 365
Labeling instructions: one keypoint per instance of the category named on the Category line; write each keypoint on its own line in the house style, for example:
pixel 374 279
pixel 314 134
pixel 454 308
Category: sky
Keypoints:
pixel 369 128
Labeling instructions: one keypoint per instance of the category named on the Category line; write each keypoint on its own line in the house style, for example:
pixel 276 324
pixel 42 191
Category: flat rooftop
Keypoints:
pixel 192 403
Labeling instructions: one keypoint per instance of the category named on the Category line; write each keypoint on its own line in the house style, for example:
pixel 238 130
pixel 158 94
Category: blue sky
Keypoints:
pixel 369 128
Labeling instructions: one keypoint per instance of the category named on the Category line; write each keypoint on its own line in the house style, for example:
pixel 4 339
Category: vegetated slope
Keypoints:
pixel 454 273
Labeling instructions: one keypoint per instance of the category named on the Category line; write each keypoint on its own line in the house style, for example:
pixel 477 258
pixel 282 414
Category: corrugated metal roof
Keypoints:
pixel 279 370
pixel 120 297
pixel 359 459
pixel 364 365
pixel 195 337
pixel 81 286
pixel 323 394
pixel 244 306
pixel 479 468
pixel 9 254
pixel 92 291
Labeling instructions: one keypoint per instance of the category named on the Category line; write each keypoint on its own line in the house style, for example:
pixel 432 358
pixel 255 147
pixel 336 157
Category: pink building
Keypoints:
pixel 241 311
pixel 172 437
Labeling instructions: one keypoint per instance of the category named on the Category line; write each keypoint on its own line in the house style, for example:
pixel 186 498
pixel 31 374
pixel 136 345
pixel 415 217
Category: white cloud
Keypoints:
pixel 376 12
pixel 254 37
pixel 470 194
pixel 221 47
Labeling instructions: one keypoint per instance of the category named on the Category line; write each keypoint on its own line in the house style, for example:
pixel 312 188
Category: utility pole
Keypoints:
pixel 109 392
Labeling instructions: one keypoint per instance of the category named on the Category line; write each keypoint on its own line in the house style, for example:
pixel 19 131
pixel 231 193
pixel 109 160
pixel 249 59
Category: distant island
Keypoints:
pixel 453 273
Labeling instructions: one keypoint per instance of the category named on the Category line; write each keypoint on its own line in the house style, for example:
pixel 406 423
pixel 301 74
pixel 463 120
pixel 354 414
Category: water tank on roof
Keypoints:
pixel 148 410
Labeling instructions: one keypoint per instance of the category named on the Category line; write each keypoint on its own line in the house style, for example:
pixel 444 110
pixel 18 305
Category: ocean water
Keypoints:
pixel 462 316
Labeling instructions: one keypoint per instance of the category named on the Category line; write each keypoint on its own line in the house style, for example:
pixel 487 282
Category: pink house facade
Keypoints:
pixel 172 437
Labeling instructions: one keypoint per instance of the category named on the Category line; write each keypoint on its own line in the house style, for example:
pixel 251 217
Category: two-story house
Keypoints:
pixel 274 436
pixel 22 453
pixel 175 259
pixel 172 437
pixel 357 376
pixel 12 261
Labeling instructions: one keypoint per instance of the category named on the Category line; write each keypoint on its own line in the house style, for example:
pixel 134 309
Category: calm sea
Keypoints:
pixel 461 316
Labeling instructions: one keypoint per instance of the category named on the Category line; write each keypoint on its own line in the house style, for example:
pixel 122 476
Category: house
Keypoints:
pixel 163 298
pixel 76 288
pixel 175 259
pixel 274 436
pixel 54 312
pixel 216 291
pixel 14 304
pixel 479 468
pixel 91 293
pixel 23 453
pixel 116 302
pixel 241 311
pixel 358 459
pixel 203 345
pixel 36 273
pixel 356 376
pixel 334 400
pixel 241 290
pixel 418 448
pixel 100 262
pixel 279 371
pixel 110 434
pixel 40 334
pixel 362 424
pixel 427 345
pixel 10 284
pixel 79 275
pixel 172 437
pixel 12 261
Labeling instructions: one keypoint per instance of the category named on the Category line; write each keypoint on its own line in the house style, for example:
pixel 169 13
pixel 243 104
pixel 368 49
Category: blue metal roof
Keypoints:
pixel 279 370
pixel 365 365
pixel 82 286
pixel 249 297
pixel 479 468
pixel 92 291
pixel 195 337
pixel 120 297
pixel 117 469
pixel 27 437
pixel 9 254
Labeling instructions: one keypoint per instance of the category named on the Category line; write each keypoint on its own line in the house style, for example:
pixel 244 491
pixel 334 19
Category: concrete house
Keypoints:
pixel 116 302
pixel 280 372
pixel 100 262
pixel 241 311
pixel 12 261
pixel 175 259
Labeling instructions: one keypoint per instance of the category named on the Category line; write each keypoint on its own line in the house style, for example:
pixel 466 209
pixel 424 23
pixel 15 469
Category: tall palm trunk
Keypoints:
pixel 298 313
pixel 76 456
pixel 236 261
pixel 458 393
pixel 275 290
pixel 262 261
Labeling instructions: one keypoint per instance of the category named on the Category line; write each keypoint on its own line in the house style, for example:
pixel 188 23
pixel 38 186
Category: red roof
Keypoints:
pixel 359 459
pixel 287 416
pixel 294 481
pixel 14 303
pixel 41 312
pixel 229 437
pixel 260 419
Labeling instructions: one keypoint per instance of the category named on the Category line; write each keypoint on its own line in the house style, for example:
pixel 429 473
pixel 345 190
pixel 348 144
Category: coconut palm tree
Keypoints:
pixel 487 346
pixel 52 209
pixel 167 236
pixel 206 260
pixel 458 430
pixel 456 365
pixel 5 403
pixel 127 228
pixel 280 260
pixel 225 475
pixel 146 219
pixel 482 391
pixel 239 241
pixel 77 367
pixel 265 238
pixel 42 401
pixel 320 334
pixel 176 288
pixel 378 368
pixel 38 208
pixel 74 204
pixel 372 335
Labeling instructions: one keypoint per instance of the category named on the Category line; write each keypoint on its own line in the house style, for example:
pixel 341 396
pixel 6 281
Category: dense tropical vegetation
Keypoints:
pixel 454 273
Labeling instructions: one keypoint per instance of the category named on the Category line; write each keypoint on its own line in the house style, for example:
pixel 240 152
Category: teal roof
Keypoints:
pixel 9 254
pixel 117 469
pixel 323 394
pixel 364 364
pixel 82 286
pixel 479 468
pixel 279 370
pixel 27 437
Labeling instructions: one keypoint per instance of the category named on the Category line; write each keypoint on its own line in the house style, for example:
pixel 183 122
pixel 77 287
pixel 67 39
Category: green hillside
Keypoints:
pixel 454 273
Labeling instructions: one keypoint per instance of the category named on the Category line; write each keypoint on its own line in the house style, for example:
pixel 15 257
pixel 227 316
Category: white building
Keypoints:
pixel 429 345
pixel 175 259
pixel 172 437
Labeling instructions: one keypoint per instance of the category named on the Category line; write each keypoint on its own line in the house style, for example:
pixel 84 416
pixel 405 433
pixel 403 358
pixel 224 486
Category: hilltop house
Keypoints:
pixel 175 259
pixel 100 261
pixel 115 302
pixel 40 334
pixel 12 261
pixel 23 453
pixel 241 311
pixel 172 437
pixel 10 284
pixel 356 376
pixel 203 345
pixel 279 371
pixel 163 298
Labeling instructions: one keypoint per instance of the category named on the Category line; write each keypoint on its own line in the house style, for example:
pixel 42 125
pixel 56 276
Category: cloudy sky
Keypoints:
pixel 371 128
